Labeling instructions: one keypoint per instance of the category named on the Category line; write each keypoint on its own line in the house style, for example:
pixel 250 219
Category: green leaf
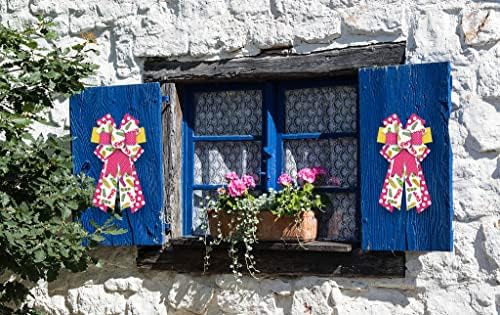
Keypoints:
pixel 39 256
pixel 97 238
pixel 115 231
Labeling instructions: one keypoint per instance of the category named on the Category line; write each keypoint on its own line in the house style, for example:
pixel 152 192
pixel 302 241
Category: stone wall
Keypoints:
pixel 467 33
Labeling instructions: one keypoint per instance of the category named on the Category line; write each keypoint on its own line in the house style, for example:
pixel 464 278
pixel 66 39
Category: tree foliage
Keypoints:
pixel 40 199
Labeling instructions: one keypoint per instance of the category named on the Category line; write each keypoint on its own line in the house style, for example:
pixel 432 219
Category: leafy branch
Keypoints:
pixel 40 198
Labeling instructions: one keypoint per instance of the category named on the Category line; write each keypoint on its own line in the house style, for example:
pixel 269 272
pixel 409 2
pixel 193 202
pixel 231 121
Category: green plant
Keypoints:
pixel 240 207
pixel 234 214
pixel 40 199
pixel 298 196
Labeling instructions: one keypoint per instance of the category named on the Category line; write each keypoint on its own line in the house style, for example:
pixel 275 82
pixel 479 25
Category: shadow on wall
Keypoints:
pixel 120 287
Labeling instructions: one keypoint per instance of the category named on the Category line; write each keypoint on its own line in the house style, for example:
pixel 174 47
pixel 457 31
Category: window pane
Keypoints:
pixel 338 156
pixel 199 199
pixel 213 160
pixel 228 113
pixel 339 221
pixel 326 109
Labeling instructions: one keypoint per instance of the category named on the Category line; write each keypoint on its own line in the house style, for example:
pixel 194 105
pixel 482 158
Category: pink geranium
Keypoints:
pixel 285 179
pixel 307 175
pixel 236 187
pixel 248 180
pixel 319 170
pixel 231 176
pixel 335 181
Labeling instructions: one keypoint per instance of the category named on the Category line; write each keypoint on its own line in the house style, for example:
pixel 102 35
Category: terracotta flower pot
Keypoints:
pixel 224 219
pixel 272 228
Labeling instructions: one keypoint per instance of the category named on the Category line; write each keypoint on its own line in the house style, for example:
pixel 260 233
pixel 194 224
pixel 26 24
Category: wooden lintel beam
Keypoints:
pixel 332 62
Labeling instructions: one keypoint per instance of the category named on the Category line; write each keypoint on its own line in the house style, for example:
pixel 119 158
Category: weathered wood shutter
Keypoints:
pixel 425 90
pixel 143 101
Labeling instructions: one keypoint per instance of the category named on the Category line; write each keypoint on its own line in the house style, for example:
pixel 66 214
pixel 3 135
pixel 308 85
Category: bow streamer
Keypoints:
pixel 118 149
pixel 405 149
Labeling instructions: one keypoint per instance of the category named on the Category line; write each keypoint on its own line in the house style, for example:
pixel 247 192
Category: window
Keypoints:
pixel 283 118
pixel 269 128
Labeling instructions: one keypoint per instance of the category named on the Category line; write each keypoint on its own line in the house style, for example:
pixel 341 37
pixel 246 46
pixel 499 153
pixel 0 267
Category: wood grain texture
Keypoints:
pixel 333 62
pixel 172 157
pixel 143 101
pixel 292 261
pixel 319 246
pixel 425 90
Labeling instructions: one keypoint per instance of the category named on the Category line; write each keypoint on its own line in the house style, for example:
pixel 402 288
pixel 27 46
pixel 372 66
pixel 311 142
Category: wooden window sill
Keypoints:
pixel 185 255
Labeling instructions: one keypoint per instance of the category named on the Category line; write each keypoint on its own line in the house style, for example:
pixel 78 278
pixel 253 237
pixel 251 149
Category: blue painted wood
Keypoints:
pixel 143 101
pixel 270 150
pixel 188 160
pixel 425 90
pixel 273 113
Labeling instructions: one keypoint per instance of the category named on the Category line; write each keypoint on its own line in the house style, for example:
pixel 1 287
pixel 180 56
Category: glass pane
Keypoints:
pixel 213 160
pixel 338 156
pixel 339 221
pixel 326 109
pixel 199 199
pixel 228 113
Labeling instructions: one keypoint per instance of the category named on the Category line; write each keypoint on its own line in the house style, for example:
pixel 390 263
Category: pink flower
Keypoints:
pixel 231 176
pixel 285 179
pixel 319 170
pixel 335 181
pixel 307 175
pixel 248 180
pixel 236 188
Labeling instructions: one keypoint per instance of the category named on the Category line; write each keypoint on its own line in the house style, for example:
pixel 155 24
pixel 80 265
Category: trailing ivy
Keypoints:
pixel 40 199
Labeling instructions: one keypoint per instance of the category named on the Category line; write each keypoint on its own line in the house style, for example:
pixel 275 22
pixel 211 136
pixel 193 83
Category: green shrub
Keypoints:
pixel 40 198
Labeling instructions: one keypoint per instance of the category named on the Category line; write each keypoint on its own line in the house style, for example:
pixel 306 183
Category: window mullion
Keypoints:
pixel 188 162
pixel 270 148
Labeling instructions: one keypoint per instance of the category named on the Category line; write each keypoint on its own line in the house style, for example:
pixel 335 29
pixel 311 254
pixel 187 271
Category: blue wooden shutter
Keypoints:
pixel 143 101
pixel 423 89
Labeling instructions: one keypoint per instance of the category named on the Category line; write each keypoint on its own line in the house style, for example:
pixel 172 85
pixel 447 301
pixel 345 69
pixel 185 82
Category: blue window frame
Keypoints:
pixel 281 126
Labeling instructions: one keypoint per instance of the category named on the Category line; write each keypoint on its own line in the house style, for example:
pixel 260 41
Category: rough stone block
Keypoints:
pixel 491 230
pixel 433 36
pixel 15 5
pixel 189 295
pixel 310 301
pixel 131 284
pixel 481 27
pixel 93 299
pixel 311 296
pixel 368 20
pixel 449 301
pixel 488 75
pixel 146 303
pixel 483 122
pixel 47 7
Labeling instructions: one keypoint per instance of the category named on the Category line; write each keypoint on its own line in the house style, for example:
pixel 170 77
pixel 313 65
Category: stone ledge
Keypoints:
pixel 277 260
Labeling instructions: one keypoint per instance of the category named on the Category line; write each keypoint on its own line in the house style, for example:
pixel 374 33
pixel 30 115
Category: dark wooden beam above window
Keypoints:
pixel 335 62
pixel 278 259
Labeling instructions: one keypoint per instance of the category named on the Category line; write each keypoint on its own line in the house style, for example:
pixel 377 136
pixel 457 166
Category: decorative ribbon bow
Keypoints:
pixel 118 148
pixel 404 149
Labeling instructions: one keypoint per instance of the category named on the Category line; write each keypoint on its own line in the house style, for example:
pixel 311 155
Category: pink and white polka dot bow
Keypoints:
pixel 405 149
pixel 118 148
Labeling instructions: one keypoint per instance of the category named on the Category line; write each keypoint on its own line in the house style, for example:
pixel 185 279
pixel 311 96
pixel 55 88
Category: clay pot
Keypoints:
pixel 224 218
pixel 273 228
